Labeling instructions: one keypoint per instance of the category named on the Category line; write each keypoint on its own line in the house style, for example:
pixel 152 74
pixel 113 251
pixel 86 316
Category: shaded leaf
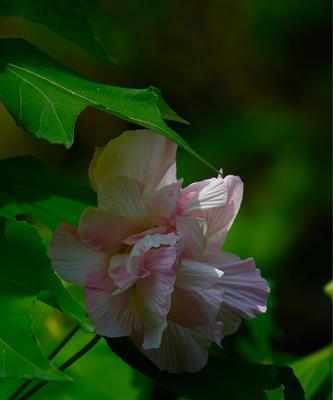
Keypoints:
pixel 45 97
pixel 28 187
pixel 315 371
pixel 20 354
pixel 328 289
pixel 24 261
pixel 221 378
pixel 66 18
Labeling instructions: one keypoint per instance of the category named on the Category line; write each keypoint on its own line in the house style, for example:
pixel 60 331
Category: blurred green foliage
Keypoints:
pixel 253 78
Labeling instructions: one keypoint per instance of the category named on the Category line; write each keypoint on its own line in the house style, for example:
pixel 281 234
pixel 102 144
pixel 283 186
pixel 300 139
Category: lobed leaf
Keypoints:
pixel 45 97
pixel 66 18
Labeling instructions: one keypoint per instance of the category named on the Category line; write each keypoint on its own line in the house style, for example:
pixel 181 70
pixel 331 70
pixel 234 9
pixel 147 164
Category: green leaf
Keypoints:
pixel 66 18
pixel 24 261
pixel 20 354
pixel 45 97
pixel 220 379
pixel 28 187
pixel 315 371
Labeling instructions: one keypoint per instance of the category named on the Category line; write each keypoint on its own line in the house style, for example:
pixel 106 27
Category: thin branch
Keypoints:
pixel 53 353
pixel 64 366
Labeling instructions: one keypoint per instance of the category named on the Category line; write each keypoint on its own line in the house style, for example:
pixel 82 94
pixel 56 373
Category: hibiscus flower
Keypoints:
pixel 149 256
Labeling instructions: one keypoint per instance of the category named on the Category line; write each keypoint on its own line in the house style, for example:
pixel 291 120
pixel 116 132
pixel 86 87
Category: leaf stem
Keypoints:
pixel 64 366
pixel 53 353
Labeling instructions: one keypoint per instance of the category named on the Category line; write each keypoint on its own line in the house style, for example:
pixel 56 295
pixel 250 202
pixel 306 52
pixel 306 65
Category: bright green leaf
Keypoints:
pixel 24 261
pixel 315 371
pixel 220 379
pixel 67 18
pixel 45 97
pixel 28 187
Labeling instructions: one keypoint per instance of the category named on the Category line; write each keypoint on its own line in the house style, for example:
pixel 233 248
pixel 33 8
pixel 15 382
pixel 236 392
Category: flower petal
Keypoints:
pixel 220 220
pixel 73 260
pixel 245 292
pixel 154 294
pixel 180 351
pixel 164 200
pixel 142 155
pixel 105 232
pixel 195 276
pixel 112 315
pixel 192 231
pixel 123 196
pixel 204 195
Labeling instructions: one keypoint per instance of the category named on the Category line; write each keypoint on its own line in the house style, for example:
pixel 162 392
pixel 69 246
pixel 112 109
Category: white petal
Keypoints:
pixel 204 195
pixel 180 351
pixel 73 260
pixel 195 276
pixel 142 155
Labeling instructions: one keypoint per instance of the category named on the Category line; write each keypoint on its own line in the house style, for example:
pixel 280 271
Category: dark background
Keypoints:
pixel 253 78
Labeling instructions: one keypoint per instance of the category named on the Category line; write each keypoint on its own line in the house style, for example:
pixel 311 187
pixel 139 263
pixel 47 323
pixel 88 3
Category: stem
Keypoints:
pixel 64 366
pixel 53 353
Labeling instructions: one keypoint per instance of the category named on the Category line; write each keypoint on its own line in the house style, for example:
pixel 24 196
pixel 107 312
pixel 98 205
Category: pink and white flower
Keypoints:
pixel 149 256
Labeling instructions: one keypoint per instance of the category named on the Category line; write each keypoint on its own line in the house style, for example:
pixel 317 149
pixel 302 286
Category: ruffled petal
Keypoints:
pixel 72 259
pixel 180 351
pixel 105 232
pixel 197 299
pixel 112 315
pixel 245 291
pixel 153 294
pixel 142 155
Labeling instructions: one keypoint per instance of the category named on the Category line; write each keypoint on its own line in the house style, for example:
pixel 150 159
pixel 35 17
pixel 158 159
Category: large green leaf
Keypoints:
pixel 315 372
pixel 220 379
pixel 45 97
pixel 20 354
pixel 28 187
pixel 24 261
pixel 67 18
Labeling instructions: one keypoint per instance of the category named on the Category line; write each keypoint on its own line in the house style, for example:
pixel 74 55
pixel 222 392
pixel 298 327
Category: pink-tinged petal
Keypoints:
pixel 164 200
pixel 142 155
pixel 153 294
pixel 192 231
pixel 131 240
pixel 123 196
pixel 180 351
pixel 220 220
pixel 105 232
pixel 73 260
pixel 245 291
pixel 204 195
pixel 112 315
pixel 120 274
pixel 197 299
